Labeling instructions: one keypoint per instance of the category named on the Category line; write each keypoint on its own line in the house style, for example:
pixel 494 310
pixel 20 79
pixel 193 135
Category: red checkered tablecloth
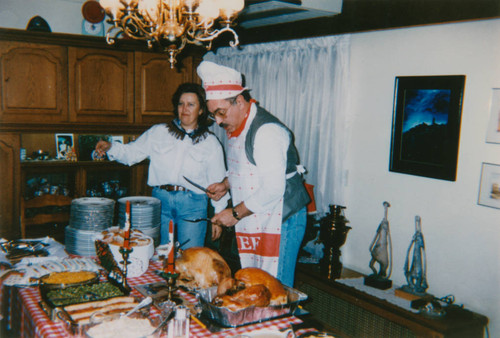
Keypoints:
pixel 29 320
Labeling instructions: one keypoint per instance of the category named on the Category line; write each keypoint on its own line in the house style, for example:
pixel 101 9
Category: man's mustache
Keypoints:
pixel 223 125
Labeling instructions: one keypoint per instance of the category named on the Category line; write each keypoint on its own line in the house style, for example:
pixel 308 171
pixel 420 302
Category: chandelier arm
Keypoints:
pixel 112 34
pixel 218 32
pixel 140 30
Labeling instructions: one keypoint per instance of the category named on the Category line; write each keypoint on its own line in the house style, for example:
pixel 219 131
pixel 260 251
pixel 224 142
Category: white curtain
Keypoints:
pixel 305 84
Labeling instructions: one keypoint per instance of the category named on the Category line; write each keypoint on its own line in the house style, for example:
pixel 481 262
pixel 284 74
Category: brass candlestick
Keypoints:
pixel 125 254
pixel 171 279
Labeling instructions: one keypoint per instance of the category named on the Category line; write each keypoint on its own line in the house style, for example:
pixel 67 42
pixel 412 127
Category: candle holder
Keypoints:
pixel 171 279
pixel 125 254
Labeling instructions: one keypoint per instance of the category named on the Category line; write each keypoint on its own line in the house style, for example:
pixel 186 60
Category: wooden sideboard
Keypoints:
pixel 357 314
pixel 62 83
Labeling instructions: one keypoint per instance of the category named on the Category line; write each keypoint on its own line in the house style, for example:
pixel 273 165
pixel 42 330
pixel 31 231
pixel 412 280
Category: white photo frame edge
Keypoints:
pixel 493 132
pixel 490 175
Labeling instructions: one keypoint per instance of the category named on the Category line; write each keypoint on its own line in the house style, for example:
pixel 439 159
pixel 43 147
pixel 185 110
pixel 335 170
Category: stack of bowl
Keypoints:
pixel 89 217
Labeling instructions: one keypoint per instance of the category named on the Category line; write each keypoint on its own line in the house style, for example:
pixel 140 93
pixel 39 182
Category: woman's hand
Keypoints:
pixel 215 191
pixel 102 147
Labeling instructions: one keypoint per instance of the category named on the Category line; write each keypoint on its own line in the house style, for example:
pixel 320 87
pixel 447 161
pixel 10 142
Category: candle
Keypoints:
pixel 126 237
pixel 170 259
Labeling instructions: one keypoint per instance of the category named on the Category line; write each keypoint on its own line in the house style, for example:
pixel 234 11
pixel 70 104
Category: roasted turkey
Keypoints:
pixel 201 267
pixel 255 295
pixel 249 288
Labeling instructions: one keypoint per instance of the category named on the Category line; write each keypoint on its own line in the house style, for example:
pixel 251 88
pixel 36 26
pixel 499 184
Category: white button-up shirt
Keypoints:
pixel 172 158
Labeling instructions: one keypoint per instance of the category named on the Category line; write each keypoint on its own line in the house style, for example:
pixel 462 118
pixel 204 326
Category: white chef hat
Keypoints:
pixel 220 82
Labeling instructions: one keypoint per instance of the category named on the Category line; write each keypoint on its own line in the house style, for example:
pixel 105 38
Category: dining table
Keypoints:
pixel 23 315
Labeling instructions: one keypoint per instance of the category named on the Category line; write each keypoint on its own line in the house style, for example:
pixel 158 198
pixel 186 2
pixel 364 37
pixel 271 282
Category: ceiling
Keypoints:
pixel 356 16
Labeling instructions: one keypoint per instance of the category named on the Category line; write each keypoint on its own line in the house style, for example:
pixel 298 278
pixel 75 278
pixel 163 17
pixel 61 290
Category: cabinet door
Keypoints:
pixel 101 85
pixel 33 83
pixel 156 83
pixel 9 185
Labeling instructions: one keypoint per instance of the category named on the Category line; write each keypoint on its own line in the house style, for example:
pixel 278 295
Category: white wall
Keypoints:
pixel 63 16
pixel 461 237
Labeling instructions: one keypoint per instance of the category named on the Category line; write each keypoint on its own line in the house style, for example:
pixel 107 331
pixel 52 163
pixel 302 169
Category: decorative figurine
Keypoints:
pixel 381 251
pixel 416 273
pixel 333 234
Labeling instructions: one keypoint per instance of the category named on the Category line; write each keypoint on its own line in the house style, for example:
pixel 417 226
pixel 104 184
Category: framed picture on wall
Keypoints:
pixel 493 134
pixel 65 145
pixel 426 125
pixel 489 189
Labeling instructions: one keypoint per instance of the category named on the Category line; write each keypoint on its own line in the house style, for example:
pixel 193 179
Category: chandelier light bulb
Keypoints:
pixel 113 7
pixel 232 5
pixel 149 9
pixel 207 11
pixel 190 3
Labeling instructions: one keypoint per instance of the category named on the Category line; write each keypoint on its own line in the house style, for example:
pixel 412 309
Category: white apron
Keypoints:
pixel 258 235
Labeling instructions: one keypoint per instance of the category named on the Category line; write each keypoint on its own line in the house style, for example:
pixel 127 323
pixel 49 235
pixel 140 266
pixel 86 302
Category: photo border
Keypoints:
pixel 493 133
pixel 59 154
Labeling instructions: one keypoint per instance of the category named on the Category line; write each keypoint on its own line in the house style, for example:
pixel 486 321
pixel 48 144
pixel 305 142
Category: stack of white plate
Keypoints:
pixel 89 216
pixel 145 215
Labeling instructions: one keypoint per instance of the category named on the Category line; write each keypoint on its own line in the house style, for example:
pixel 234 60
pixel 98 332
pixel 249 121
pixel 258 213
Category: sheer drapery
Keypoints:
pixel 305 84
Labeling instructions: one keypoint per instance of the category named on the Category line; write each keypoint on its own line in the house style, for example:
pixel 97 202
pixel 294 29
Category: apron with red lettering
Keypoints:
pixel 257 235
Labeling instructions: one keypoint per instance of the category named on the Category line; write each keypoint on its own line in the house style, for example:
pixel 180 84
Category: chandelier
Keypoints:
pixel 171 24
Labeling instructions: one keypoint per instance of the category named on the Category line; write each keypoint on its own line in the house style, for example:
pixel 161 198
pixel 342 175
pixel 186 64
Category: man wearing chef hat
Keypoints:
pixel 264 176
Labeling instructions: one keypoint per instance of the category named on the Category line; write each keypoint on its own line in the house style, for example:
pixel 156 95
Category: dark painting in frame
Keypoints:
pixel 426 125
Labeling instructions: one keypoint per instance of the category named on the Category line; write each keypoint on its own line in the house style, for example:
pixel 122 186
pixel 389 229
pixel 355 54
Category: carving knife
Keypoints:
pixel 195 184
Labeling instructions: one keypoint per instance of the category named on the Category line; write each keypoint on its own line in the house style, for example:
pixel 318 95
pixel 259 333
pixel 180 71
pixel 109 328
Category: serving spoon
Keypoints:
pixel 145 302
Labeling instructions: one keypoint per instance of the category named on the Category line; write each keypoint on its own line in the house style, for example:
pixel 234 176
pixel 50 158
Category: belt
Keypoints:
pixel 169 187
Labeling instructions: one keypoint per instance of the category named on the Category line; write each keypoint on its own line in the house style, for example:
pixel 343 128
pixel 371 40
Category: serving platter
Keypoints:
pixel 250 315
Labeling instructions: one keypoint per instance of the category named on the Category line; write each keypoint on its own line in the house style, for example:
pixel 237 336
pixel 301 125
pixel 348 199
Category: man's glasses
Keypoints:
pixel 222 112
pixel 218 113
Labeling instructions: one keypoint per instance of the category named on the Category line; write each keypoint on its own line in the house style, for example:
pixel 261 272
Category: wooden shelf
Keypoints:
pixel 79 164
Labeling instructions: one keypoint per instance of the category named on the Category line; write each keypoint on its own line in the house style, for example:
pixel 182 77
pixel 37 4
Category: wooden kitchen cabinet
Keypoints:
pixel 33 83
pixel 62 83
pixel 156 83
pixel 9 185
pixel 101 85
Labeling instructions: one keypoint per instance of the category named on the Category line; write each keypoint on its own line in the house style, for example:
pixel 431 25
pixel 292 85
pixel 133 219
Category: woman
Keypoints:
pixel 182 147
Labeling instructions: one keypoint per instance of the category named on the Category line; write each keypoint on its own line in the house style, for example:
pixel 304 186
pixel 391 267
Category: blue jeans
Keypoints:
pixel 179 206
pixel 292 233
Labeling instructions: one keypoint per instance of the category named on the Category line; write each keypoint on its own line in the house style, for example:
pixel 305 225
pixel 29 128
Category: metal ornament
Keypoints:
pixel 381 252
pixel 416 272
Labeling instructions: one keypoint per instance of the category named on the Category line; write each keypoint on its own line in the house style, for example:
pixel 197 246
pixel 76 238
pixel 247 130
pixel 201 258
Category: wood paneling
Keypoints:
pixel 33 83
pixel 155 83
pixel 9 185
pixel 101 85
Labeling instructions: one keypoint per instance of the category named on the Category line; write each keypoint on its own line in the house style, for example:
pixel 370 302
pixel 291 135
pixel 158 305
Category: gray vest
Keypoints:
pixel 296 196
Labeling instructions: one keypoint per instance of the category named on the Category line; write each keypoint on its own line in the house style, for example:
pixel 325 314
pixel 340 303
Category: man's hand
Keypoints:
pixel 224 218
pixel 102 147
pixel 216 231
pixel 215 191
